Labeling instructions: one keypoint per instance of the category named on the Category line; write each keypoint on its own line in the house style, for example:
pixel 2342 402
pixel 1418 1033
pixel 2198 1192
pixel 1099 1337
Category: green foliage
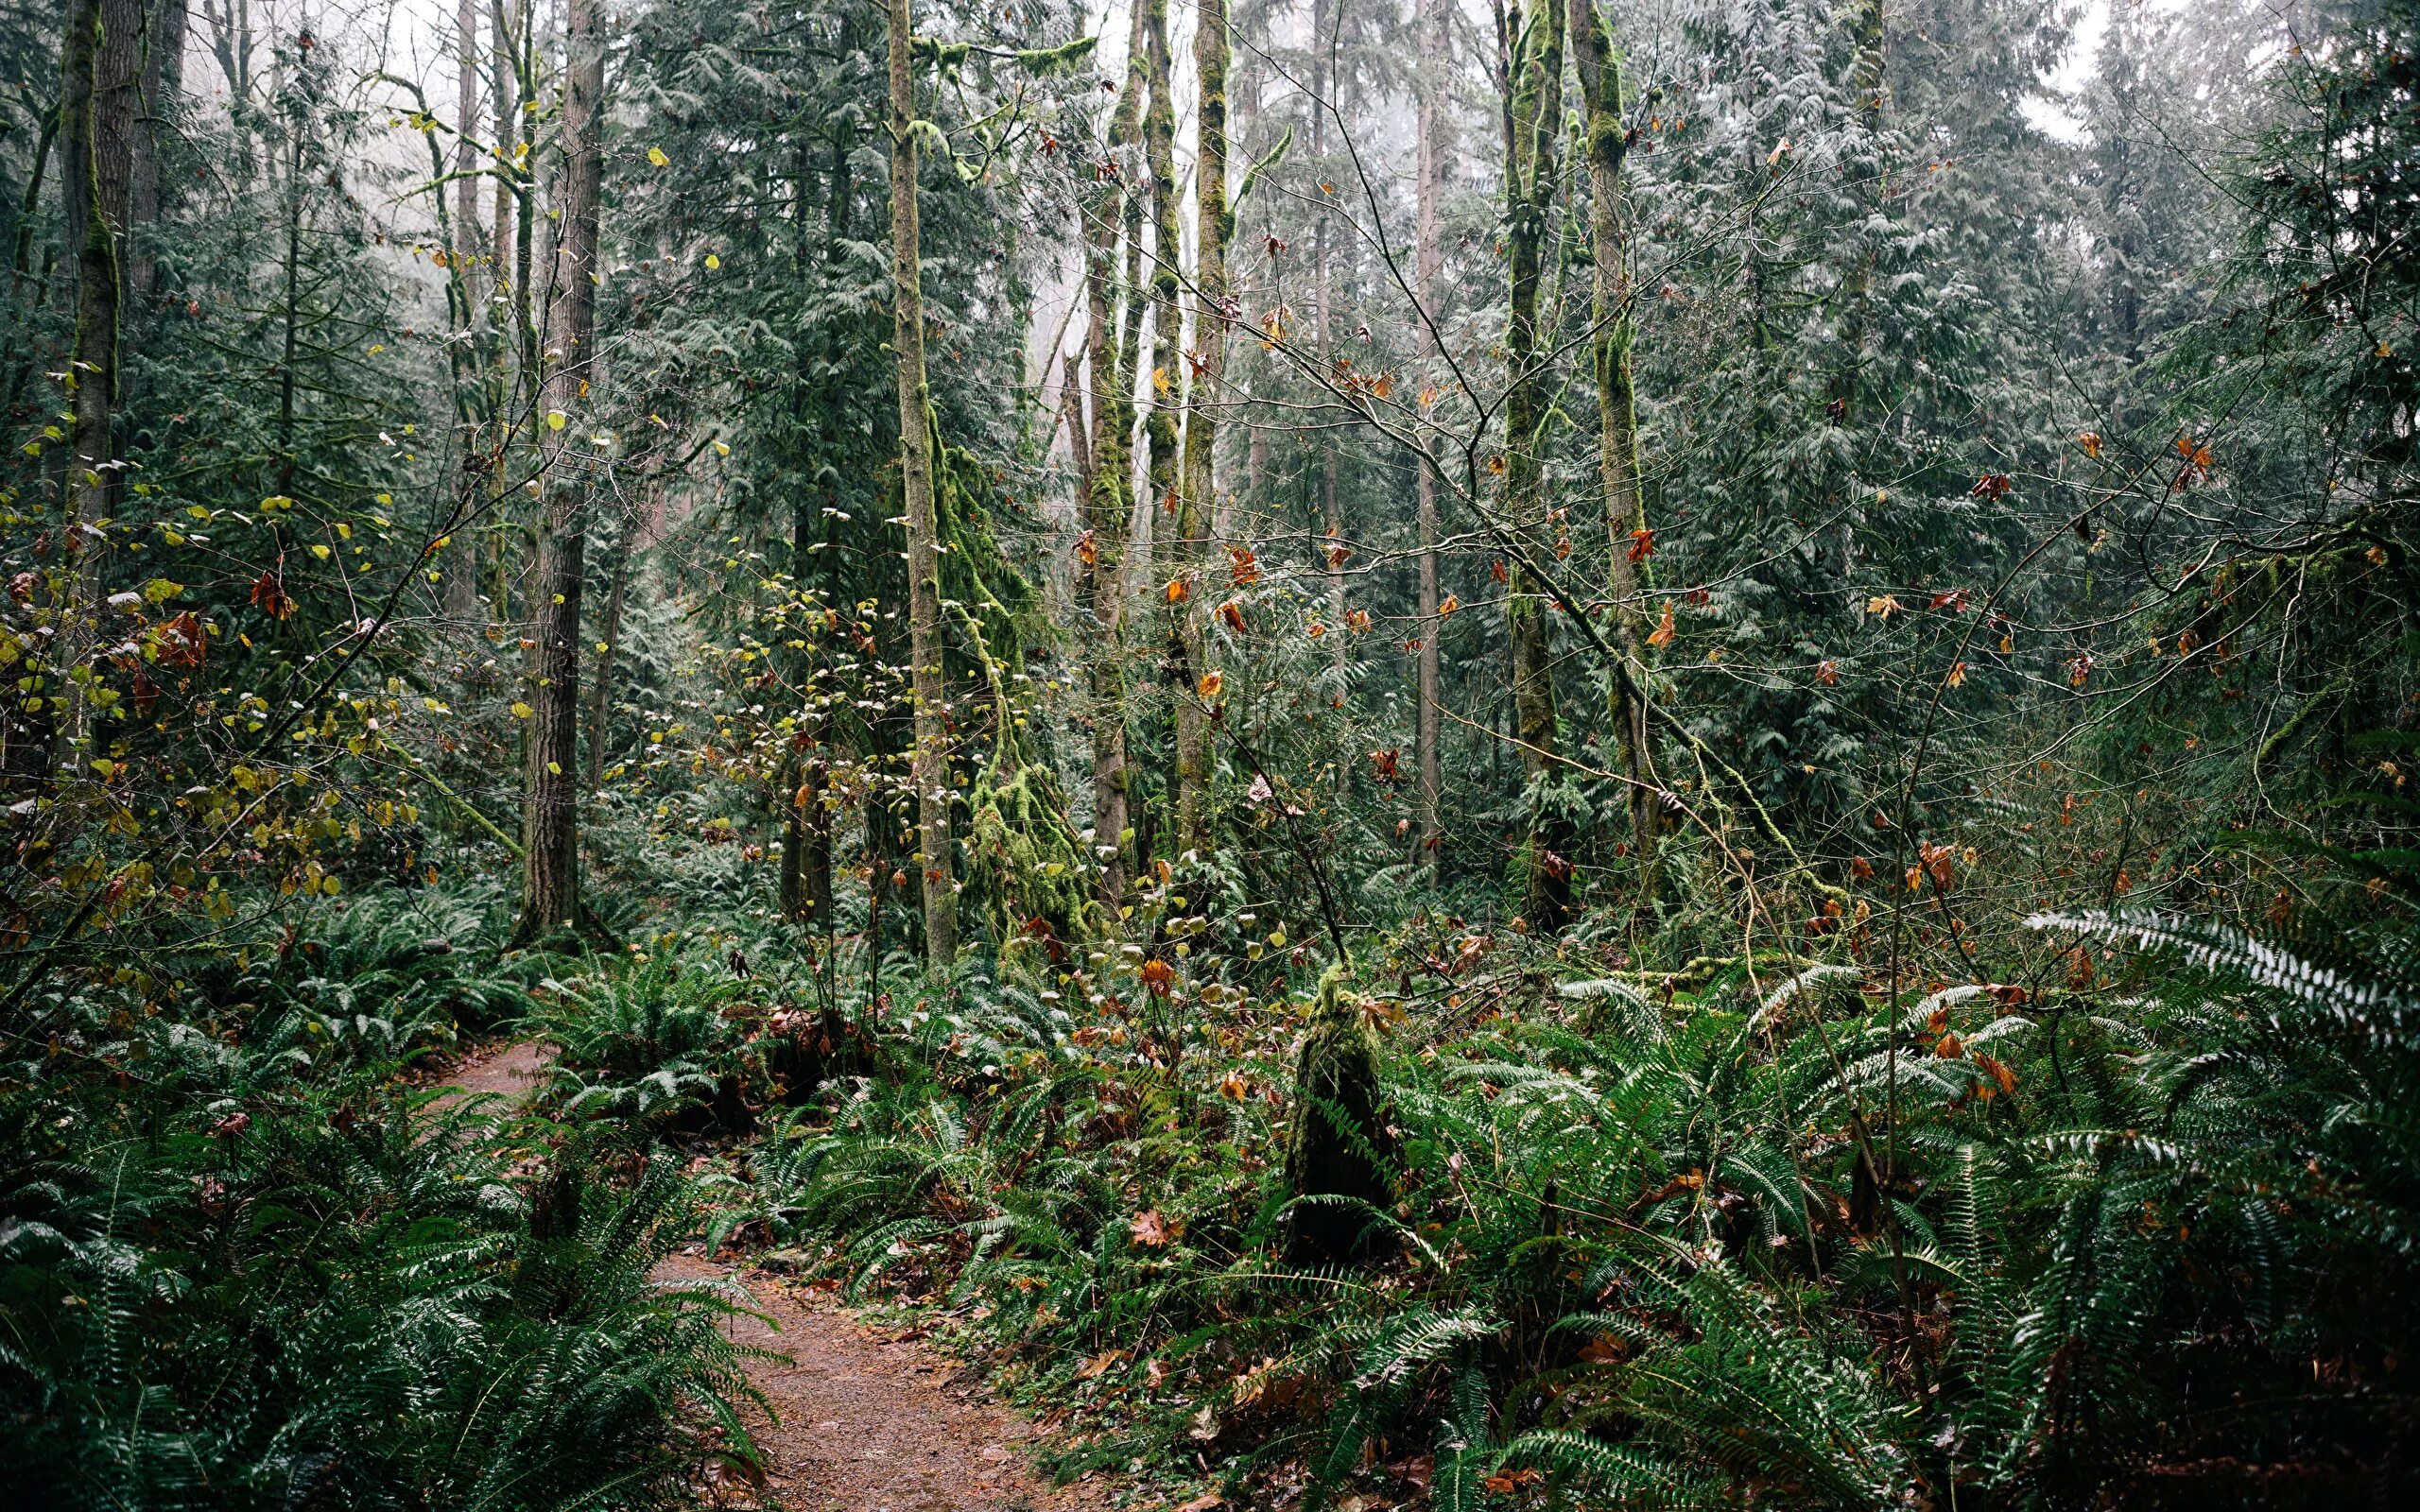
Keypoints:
pixel 241 1264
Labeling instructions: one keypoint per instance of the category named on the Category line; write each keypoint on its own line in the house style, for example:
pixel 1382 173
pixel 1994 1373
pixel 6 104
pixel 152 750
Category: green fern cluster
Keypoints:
pixel 243 1264
pixel 1773 1239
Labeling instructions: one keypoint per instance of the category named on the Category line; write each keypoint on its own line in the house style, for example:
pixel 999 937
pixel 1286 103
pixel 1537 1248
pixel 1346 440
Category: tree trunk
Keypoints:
pixel 506 271
pixel 1200 499
pixel 1536 76
pixel 1600 89
pixel 931 760
pixel 550 816
pixel 1327 22
pixel 469 249
pixel 94 133
pixel 1171 517
pixel 1099 574
pixel 1427 258
pixel 162 81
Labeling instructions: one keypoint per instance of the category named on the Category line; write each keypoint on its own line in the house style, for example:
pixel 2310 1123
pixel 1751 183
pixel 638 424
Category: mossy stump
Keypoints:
pixel 1339 1148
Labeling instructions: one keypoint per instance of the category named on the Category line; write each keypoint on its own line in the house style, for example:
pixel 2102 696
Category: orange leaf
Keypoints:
pixel 1663 631
pixel 1246 570
pixel 1211 684
pixel 1087 550
pixel 1233 614
pixel 1176 590
pixel 1642 544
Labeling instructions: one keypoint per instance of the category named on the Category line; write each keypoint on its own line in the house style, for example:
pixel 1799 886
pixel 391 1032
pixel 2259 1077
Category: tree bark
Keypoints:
pixel 550 815
pixel 95 141
pixel 931 761
pixel 1600 89
pixel 1210 325
pixel 1100 574
pixel 1172 525
pixel 161 80
pixel 1535 74
pixel 1427 259
pixel 507 270
pixel 468 251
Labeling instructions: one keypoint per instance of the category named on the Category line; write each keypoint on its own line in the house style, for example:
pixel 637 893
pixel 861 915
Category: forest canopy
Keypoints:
pixel 1480 753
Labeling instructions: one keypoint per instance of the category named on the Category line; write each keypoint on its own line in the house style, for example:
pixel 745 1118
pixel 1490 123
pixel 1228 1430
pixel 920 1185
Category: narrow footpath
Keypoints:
pixel 863 1420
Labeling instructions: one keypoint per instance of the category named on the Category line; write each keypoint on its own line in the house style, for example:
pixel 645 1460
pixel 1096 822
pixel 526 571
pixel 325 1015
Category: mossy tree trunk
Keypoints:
pixel 930 763
pixel 1533 118
pixel 94 141
pixel 1198 505
pixel 1600 89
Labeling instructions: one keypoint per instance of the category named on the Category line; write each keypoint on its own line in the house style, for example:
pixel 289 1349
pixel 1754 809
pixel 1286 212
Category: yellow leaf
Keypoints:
pixel 721 448
pixel 713 262
pixel 554 768
pixel 557 419
pixel 521 711
pixel 655 155
pixel 319 550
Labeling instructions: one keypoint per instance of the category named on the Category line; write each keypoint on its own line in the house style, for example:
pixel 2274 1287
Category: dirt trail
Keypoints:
pixel 863 1421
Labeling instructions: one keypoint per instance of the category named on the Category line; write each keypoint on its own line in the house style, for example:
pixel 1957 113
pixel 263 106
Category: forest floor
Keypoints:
pixel 863 1418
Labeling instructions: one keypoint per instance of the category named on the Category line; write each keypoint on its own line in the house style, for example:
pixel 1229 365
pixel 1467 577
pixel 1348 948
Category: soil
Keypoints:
pixel 869 1420
pixel 508 1072
pixel 862 1419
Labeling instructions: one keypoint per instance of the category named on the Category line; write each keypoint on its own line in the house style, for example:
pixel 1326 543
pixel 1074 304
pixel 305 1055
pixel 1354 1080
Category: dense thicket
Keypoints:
pixel 1559 754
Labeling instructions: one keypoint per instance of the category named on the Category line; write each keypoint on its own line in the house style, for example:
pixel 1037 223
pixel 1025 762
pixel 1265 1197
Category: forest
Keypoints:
pixel 1329 755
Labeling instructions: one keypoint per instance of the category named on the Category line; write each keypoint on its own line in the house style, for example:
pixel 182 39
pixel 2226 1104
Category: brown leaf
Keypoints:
pixel 1152 1229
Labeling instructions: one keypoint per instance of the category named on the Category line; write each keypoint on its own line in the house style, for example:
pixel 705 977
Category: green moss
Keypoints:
pixel 1339 1148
